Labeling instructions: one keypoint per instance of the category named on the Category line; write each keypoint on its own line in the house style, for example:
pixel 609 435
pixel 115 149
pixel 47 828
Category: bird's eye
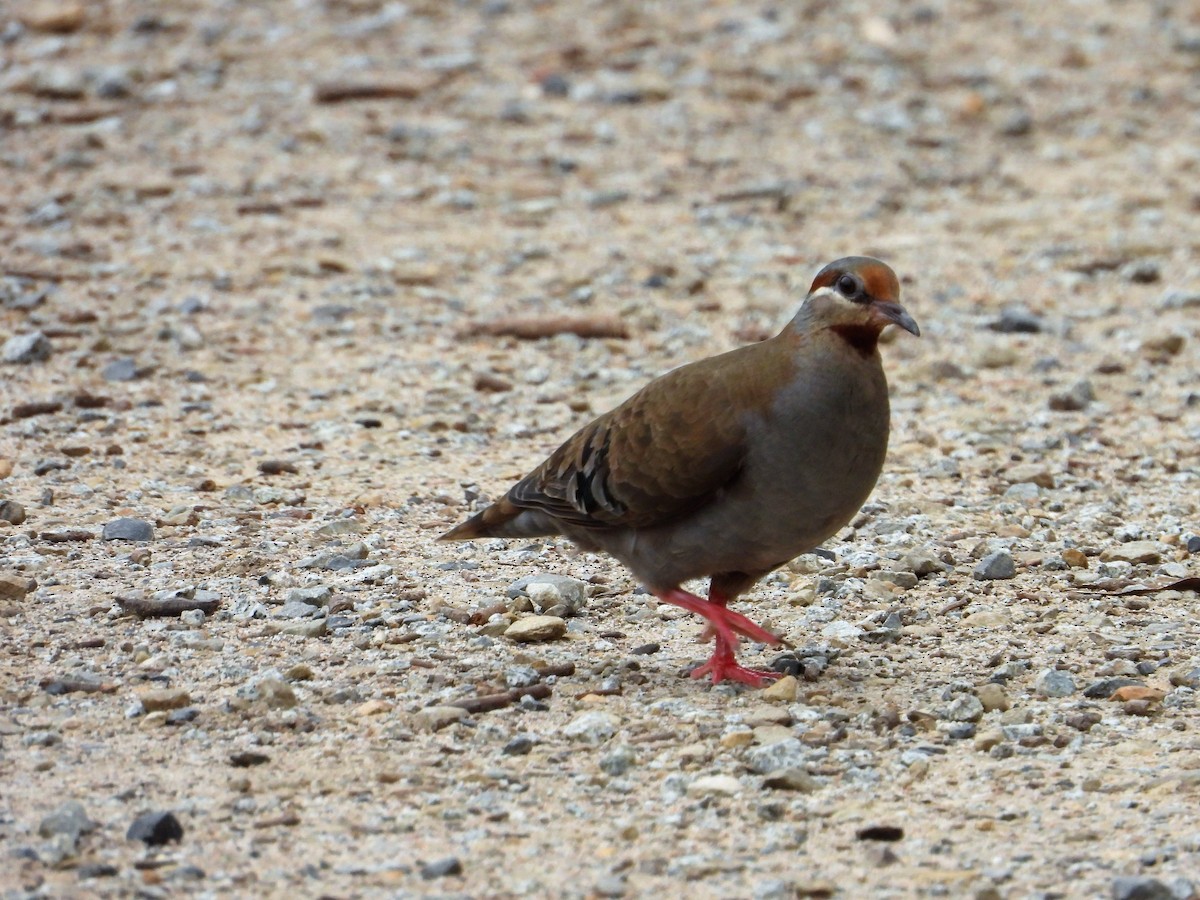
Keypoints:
pixel 848 286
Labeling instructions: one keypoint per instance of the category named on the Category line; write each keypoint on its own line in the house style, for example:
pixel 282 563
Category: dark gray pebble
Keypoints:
pixel 1102 690
pixel 518 746
pixel 440 868
pixel 128 530
pixel 97 870
pixel 1017 320
pixel 1139 887
pixel 155 829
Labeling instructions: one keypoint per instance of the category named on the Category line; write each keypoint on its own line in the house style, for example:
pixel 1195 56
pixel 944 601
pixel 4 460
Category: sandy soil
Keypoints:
pixel 259 240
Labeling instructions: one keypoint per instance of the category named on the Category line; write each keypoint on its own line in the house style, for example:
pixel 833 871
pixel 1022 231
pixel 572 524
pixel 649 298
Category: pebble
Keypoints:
pixel 557 599
pixel 15 587
pixel 1075 558
pixel 792 779
pixel 609 886
pixel 123 369
pixel 26 348
pixel 993 697
pixel 1140 887
pixel 165 698
pixel 782 690
pixel 435 718
pixel 1054 683
pixel 275 692
pixel 69 819
pixel 1083 720
pixel 922 562
pixel 964 708
pixel 788 753
pixel 518 746
pixel 1134 552
pixel 722 785
pixel 307 628
pixel 442 868
pixel 591 727
pixel 1017 320
pixel 536 628
pixel 1075 398
pixel 128 530
pixel 1142 271
pixel 995 566
pixel 318 595
pixel 1193 543
pixel 155 829
pixel 11 511
pixel 54 17
pixel 618 761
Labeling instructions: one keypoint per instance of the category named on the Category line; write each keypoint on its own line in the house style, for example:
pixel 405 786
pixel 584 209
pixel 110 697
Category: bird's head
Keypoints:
pixel 856 298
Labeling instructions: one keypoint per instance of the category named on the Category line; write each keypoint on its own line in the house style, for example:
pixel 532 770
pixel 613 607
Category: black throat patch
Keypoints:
pixel 863 338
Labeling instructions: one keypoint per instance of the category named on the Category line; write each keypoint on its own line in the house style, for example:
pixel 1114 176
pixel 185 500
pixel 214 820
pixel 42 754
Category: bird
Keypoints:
pixel 730 466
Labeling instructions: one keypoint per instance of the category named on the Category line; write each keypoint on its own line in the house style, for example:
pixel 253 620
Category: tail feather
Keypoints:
pixel 488 523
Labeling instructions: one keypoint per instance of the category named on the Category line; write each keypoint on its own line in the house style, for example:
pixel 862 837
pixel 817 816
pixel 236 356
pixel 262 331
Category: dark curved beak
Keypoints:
pixel 897 314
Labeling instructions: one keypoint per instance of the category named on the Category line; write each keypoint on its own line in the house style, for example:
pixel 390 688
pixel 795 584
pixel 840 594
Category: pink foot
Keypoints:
pixel 722 624
pixel 723 666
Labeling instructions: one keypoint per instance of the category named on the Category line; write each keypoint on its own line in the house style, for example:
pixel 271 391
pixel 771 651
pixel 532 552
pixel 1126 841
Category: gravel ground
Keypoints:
pixel 259 260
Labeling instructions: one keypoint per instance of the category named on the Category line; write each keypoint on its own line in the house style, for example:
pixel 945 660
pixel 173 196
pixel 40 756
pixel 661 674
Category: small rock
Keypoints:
pixel 1083 720
pixel 1134 552
pixel 1105 688
pixel 435 718
pixel 318 595
pixel 993 697
pixel 922 562
pixel 790 780
pixel 128 530
pixel 536 628
pixel 155 829
pixel 54 17
pixel 1140 887
pixel 26 348
pixel 783 690
pixel 591 727
pixel 1164 346
pixel 618 760
pixel 307 628
pixel 165 698
pixel 123 369
pixel 11 511
pixel 986 740
pixel 518 746
pixel 609 886
pixel 1137 692
pixel 442 868
pixel 1054 683
pixel 275 692
pixel 562 598
pixel 1142 271
pixel 964 708
pixel 1017 320
pixel 1075 558
pixel 70 819
pixel 722 785
pixel 995 566
pixel 1193 543
pixel 15 587
pixel 788 753
pixel 1077 397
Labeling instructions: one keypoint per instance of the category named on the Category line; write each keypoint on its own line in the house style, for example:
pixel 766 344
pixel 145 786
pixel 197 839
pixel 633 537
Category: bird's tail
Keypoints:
pixel 490 522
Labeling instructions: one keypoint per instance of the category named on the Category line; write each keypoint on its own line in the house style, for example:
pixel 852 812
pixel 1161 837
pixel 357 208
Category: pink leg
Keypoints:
pixel 723 624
